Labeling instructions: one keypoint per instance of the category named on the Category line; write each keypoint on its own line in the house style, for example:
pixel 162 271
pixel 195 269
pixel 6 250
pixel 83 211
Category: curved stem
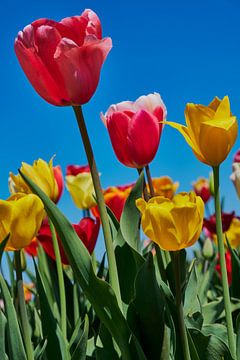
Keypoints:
pixel 179 305
pixel 113 273
pixel 61 284
pixel 145 192
pixel 149 179
pixel 22 307
pixel 226 296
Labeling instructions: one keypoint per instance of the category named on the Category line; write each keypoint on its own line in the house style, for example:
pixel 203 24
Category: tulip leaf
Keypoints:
pixel 81 348
pixel 3 245
pixel 191 302
pixel 56 344
pixel 99 293
pixel 15 344
pixel 129 222
pixel 39 352
pixel 238 336
pixel 105 346
pixel 149 309
pixel 235 260
pixel 3 323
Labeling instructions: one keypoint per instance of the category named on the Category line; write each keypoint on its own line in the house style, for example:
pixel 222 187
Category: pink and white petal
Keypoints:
pixel 80 67
pixel 117 125
pixel 143 137
pixel 38 75
pixel 150 103
pixel 94 25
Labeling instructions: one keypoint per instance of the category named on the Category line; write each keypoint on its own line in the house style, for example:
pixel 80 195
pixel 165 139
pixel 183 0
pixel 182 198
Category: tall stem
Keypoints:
pixel 61 284
pixel 149 179
pixel 145 192
pixel 113 274
pixel 179 305
pixel 226 296
pixel 22 307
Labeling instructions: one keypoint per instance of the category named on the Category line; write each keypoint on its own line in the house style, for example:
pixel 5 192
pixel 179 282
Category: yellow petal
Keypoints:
pixel 141 205
pixel 81 190
pixel 223 110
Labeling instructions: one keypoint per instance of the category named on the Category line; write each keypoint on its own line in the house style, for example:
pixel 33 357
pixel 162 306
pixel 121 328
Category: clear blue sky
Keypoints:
pixel 188 51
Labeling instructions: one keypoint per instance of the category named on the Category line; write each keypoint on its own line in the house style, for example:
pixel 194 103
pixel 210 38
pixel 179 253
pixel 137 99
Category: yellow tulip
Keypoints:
pixel 172 224
pixel 81 189
pixel 41 173
pixel 21 215
pixel 164 186
pixel 233 233
pixel 211 130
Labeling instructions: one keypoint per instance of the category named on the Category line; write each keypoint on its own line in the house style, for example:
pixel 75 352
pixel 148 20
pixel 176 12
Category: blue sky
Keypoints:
pixel 188 51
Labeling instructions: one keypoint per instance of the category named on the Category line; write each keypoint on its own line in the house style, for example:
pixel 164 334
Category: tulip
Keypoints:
pixel 233 233
pixel 164 186
pixel 228 260
pixel 87 231
pixel 236 158
pixel 43 174
pixel 79 184
pixel 21 216
pixel 235 177
pixel 201 188
pixel 28 291
pixel 211 130
pixel 115 198
pixel 172 224
pixel 135 129
pixel 62 60
pixel 209 225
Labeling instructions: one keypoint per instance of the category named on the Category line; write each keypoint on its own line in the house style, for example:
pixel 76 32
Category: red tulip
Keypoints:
pixel 201 188
pixel 236 158
pixel 115 198
pixel 228 266
pixel 209 225
pixel 87 230
pixel 63 60
pixel 77 169
pixel 57 171
pixel 135 129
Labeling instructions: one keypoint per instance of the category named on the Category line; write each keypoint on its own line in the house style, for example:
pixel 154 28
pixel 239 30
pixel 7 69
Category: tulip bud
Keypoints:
pixel 208 250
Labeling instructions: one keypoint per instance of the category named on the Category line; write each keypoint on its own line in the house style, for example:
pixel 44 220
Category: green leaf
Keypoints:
pixel 2 246
pixel 15 344
pixel 212 311
pixel 3 323
pixel 129 222
pixel 105 345
pixel 238 336
pixel 191 302
pixel 56 345
pixel 235 288
pixel 149 309
pixel 99 293
pixel 81 348
pixel 39 352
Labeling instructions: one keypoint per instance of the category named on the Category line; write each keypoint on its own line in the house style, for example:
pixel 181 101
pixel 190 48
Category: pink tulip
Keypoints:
pixel 63 60
pixel 135 129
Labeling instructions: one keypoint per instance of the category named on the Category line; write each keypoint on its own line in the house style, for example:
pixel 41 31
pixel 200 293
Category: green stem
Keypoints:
pixel 22 307
pixel 149 179
pixel 76 312
pixel 226 296
pixel 113 274
pixel 61 284
pixel 179 305
pixel 145 192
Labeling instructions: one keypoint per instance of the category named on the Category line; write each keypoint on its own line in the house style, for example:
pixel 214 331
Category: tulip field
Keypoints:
pixel 168 284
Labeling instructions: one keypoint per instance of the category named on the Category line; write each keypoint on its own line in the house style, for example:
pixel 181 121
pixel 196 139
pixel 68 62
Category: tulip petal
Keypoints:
pixel 216 142
pixel 143 137
pixel 185 133
pixel 117 125
pixel 80 67
pixel 223 110
pixel 38 75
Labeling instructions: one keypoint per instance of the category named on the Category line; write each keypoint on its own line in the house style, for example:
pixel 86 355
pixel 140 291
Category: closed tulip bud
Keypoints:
pixel 62 60
pixel 79 184
pixel 42 174
pixel 201 188
pixel 172 224
pixel 115 198
pixel 164 186
pixel 211 130
pixel 235 177
pixel 208 250
pixel 135 129
pixel 21 216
